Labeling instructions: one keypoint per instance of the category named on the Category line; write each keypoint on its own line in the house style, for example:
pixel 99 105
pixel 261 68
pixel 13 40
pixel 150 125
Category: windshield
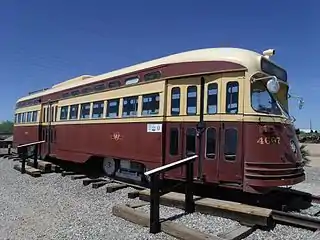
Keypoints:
pixel 262 101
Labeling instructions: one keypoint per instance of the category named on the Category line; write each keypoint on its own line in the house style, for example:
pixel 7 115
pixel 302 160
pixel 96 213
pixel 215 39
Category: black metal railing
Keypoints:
pixel 24 154
pixel 155 190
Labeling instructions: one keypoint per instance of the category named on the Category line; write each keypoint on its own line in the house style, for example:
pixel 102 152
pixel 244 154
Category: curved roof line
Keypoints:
pixel 244 57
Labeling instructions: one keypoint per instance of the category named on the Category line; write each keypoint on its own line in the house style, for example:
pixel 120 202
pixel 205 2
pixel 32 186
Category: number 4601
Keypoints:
pixel 268 140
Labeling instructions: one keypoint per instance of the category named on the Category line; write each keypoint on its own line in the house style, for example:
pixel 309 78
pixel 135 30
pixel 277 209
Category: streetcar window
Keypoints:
pixel 211 143
pixel 85 110
pixel 192 100
pixel 132 80
pixel 232 97
pixel 52 114
pixel 152 76
pixel 97 110
pixel 99 87
pixel 56 113
pixel 175 101
pixel 191 141
pixel 86 90
pixel 114 84
pixel 19 118
pixel 65 95
pixel 174 141
pixel 262 101
pixel 48 115
pixel 150 104
pixel 29 116
pixel 64 113
pixel 44 115
pixel 130 106
pixel 75 93
pixel 212 107
pixel 34 116
pixel 113 108
pixel 230 144
pixel 74 111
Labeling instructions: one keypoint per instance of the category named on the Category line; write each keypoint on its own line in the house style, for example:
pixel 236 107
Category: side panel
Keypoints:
pixel 25 134
pixel 77 142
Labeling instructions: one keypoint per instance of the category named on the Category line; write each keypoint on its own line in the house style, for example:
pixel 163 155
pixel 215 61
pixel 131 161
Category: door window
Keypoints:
pixel 192 100
pixel 211 143
pixel 232 97
pixel 191 135
pixel 175 101
pixel 174 141
pixel 230 144
pixel 212 107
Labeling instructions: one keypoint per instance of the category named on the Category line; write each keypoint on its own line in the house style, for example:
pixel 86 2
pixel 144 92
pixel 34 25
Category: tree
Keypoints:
pixel 6 127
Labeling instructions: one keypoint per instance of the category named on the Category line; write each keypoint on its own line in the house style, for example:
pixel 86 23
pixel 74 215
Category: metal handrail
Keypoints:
pixel 155 193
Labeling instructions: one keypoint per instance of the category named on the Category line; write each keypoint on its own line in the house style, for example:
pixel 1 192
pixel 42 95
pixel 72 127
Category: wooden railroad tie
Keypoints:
pixel 116 187
pixel 100 184
pixel 133 194
pixel 169 227
pixel 87 182
pixel 80 176
pixel 67 173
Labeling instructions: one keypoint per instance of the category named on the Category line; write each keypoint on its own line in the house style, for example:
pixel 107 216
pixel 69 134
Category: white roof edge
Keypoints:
pixel 241 56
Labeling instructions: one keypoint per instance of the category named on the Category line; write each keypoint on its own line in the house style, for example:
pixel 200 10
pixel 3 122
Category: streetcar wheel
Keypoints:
pixel 109 166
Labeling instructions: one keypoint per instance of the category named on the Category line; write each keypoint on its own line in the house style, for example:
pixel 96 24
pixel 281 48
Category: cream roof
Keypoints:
pixel 244 57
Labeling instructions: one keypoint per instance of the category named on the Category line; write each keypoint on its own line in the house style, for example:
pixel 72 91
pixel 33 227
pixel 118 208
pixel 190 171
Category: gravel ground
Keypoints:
pixel 202 222
pixel 312 182
pixel 55 207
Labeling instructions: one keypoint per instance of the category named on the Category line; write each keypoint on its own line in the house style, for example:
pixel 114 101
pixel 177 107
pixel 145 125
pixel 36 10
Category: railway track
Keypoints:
pixel 279 217
pixel 296 220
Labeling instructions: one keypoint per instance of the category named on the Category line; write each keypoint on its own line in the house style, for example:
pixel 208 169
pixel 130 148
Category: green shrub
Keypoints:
pixel 305 154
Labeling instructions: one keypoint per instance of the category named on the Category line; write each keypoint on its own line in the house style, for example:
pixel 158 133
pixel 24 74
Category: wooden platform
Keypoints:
pixel 44 166
pixel 29 170
pixel 246 214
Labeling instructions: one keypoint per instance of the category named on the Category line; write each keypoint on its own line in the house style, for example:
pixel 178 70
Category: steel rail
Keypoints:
pixel 297 220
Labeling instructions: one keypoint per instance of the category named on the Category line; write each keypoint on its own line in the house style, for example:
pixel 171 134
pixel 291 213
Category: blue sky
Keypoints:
pixel 46 42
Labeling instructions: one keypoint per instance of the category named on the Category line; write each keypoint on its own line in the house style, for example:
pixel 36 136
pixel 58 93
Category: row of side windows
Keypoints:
pixel 26 117
pixel 150 106
pixel 112 84
pixel 232 96
pixel 230 142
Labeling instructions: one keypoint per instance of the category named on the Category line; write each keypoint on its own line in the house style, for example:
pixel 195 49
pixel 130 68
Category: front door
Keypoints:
pixel 182 142
pixel 230 157
pixel 230 160
pixel 47 129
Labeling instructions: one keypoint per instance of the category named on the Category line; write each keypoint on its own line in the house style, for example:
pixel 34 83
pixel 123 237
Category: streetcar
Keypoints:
pixel 229 106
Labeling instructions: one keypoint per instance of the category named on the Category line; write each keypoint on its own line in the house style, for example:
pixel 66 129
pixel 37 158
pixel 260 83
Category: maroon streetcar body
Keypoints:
pixel 156 119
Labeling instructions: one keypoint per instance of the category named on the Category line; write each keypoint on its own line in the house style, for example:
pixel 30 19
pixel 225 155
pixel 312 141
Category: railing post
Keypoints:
pixel 35 156
pixel 9 149
pixel 23 157
pixel 155 226
pixel 189 201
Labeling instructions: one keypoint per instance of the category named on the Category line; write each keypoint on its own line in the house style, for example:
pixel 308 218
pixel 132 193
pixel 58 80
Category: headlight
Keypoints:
pixel 293 147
